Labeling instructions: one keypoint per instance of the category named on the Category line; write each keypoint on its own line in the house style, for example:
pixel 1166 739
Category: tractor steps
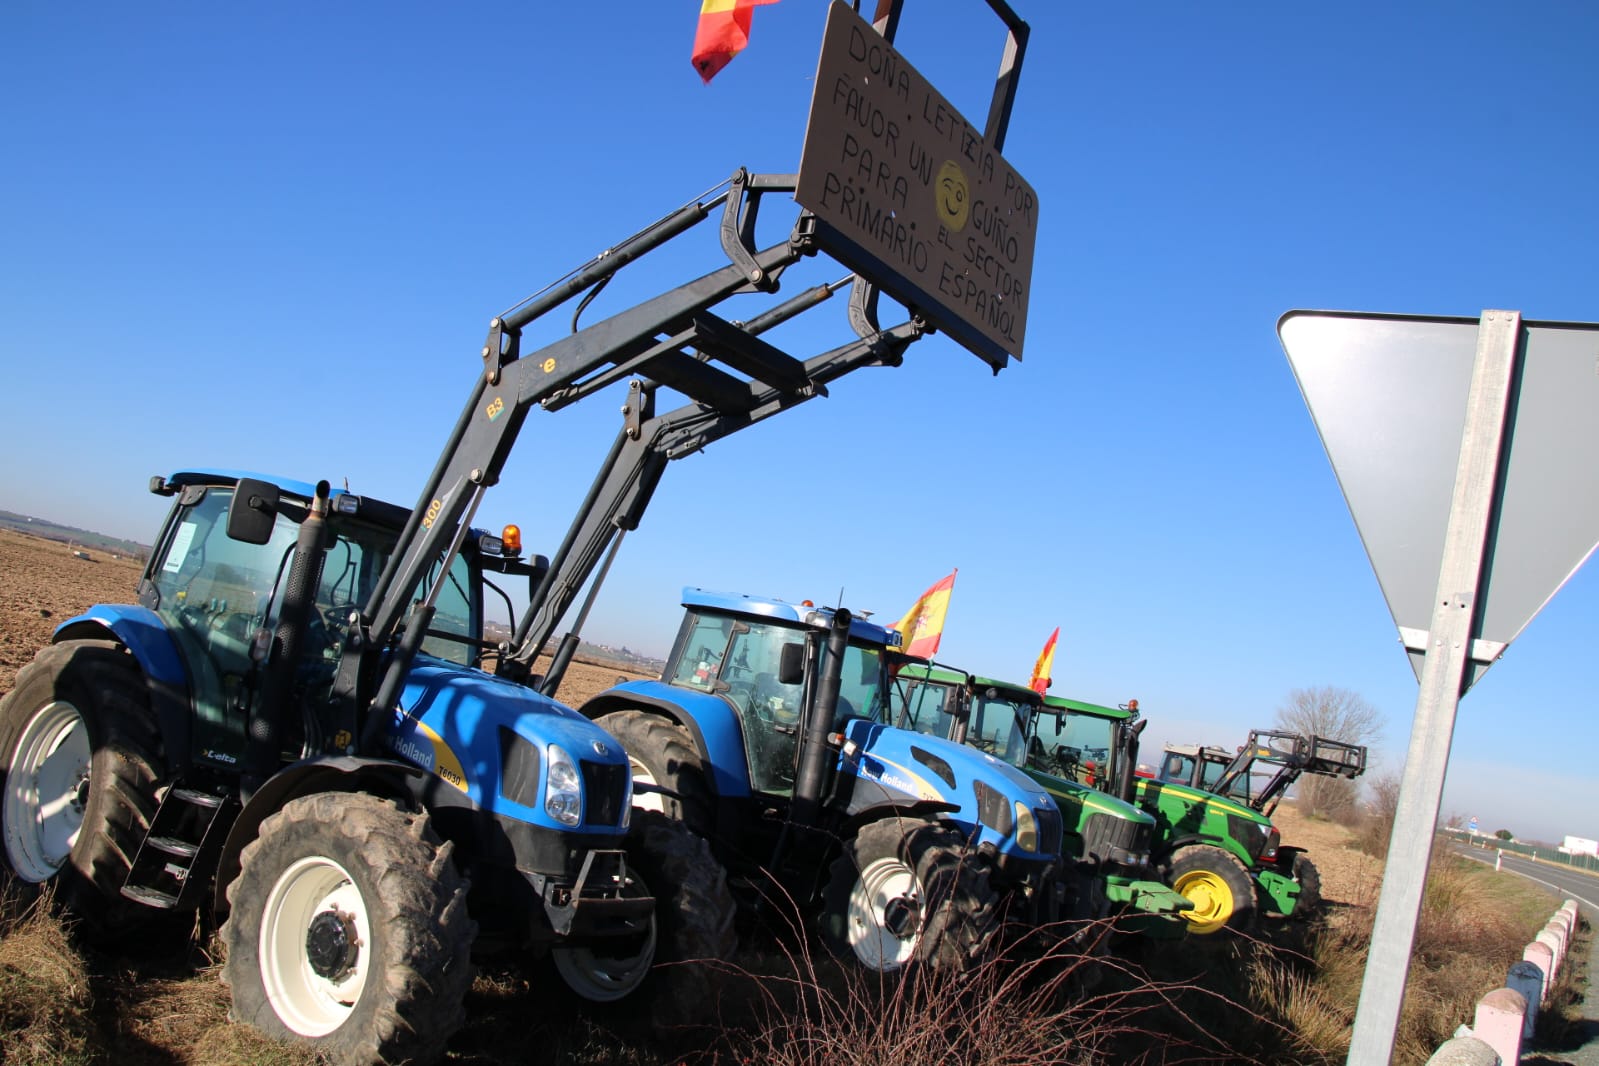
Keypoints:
pixel 180 849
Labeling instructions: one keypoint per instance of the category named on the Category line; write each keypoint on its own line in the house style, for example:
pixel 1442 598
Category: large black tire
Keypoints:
pixel 674 976
pixel 669 773
pixel 80 759
pixel 1220 888
pixel 909 892
pixel 348 931
pixel 1304 871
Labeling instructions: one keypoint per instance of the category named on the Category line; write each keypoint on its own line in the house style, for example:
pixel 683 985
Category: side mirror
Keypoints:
pixel 254 511
pixel 791 664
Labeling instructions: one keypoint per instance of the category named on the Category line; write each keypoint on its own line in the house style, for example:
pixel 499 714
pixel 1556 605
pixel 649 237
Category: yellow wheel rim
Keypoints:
pixel 1212 900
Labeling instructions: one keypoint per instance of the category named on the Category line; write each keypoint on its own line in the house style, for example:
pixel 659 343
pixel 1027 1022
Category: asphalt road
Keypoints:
pixel 1579 885
pixel 1584 888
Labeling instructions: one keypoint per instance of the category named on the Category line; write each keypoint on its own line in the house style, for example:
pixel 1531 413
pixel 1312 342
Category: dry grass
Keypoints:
pixel 1473 926
pixel 44 991
pixel 1285 998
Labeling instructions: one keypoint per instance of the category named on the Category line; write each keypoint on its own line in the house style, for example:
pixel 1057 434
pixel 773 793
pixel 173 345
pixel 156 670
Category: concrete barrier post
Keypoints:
pixel 1527 979
pixel 1552 938
pixel 1540 956
pixel 1464 1051
pixel 1501 1016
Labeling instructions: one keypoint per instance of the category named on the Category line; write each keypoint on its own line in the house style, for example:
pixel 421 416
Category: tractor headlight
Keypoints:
pixel 563 788
pixel 1026 828
pixel 1128 857
pixel 1269 852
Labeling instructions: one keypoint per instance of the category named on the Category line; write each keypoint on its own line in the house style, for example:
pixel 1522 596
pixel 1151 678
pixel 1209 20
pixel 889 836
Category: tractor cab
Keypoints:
pixel 217 581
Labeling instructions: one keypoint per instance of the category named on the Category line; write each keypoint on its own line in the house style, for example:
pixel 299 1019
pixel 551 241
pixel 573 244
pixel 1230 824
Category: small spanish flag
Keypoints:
pixel 1045 666
pixel 723 33
pixel 923 624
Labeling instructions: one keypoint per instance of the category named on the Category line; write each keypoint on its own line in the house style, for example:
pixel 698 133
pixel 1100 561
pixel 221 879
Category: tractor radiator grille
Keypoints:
pixel 1048 831
pixel 605 787
pixel 1103 832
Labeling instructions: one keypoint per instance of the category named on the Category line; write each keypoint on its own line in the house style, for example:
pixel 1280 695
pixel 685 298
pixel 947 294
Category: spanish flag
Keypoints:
pixel 723 33
pixel 923 624
pixel 1045 665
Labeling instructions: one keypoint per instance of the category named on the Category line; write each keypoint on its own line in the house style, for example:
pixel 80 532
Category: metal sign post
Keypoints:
pixel 1466 449
pixel 1454 622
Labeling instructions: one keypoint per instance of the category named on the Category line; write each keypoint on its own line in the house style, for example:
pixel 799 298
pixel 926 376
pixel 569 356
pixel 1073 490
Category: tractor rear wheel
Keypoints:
pixel 348 931
pixel 1221 890
pixel 1309 902
pixel 671 972
pixel 907 892
pixel 668 773
pixel 79 764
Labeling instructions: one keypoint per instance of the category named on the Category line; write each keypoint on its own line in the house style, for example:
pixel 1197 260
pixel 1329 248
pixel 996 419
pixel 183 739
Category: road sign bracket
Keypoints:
pixel 1486 652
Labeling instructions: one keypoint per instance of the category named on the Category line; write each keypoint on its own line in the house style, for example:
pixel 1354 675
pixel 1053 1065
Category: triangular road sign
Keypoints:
pixel 1388 395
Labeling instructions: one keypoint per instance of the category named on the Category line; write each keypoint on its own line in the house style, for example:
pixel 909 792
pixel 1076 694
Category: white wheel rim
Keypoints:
pixel 46 792
pixel 643 800
pixel 601 978
pixel 885 883
pixel 307 1002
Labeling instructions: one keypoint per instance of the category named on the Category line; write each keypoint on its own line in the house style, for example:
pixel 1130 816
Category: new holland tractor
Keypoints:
pixel 190 751
pixel 300 731
pixel 768 731
pixel 1109 840
pixel 1222 854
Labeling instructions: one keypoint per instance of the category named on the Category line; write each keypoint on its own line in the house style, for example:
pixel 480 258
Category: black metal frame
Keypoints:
pixel 674 339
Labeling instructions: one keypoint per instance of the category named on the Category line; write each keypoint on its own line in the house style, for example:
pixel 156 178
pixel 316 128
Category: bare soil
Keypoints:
pixel 1348 877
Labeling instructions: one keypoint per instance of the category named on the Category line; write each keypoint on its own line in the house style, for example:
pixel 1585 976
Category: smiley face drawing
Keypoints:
pixel 952 197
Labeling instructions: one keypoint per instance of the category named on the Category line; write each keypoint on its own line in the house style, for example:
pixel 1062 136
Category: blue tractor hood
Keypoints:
pixel 461 724
pixel 903 747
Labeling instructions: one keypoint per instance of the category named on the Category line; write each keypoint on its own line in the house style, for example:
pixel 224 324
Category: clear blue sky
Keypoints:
pixel 271 236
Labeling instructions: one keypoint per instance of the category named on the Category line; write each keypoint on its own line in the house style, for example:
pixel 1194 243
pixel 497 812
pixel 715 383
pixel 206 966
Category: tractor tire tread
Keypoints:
pixel 416 998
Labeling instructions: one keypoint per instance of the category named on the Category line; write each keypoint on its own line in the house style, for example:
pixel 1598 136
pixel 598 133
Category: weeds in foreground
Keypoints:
pixel 1472 928
pixel 44 990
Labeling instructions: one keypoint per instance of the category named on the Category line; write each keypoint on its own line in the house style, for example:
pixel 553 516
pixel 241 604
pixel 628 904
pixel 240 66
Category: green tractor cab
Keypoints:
pixel 1110 839
pixel 1214 840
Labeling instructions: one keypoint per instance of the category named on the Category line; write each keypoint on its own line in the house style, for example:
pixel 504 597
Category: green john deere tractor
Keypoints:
pixel 1214 840
pixel 1109 838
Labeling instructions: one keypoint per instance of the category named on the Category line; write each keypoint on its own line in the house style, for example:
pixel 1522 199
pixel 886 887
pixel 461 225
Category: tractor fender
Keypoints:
pixel 147 639
pixel 711 723
pixel 1162 857
pixel 342 773
pixel 869 802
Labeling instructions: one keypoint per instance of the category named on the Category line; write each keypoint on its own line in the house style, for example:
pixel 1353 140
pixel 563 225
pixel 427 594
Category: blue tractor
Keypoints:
pixel 768 733
pixel 188 752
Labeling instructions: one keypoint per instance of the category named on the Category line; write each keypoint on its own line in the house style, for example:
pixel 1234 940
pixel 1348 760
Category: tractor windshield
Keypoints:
pixel 923 706
pixel 215 595
pixel 999 724
pixel 1073 746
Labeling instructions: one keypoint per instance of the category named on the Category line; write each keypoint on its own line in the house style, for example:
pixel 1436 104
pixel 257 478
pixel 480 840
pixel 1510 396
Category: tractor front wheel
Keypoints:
pixel 670 972
pixel 908 891
pixel 668 774
pixel 348 931
pixel 79 763
pixel 1218 886
pixel 1309 902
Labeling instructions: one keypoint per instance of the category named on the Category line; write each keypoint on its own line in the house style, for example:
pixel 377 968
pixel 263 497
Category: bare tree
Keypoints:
pixel 1334 714
pixel 1377 823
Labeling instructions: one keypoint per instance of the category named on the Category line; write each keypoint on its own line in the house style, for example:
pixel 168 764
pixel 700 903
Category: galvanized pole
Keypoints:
pixel 1454 623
